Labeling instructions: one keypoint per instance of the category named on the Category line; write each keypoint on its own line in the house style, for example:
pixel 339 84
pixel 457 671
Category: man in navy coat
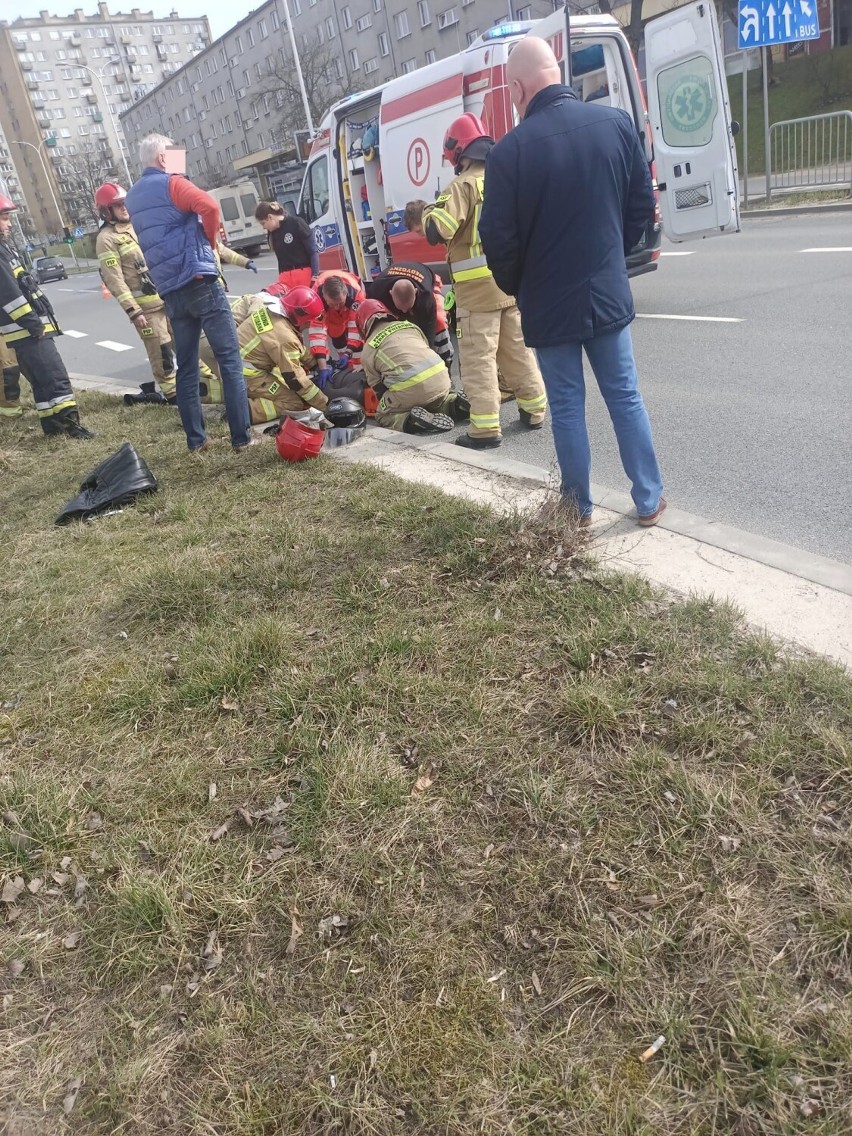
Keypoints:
pixel 568 193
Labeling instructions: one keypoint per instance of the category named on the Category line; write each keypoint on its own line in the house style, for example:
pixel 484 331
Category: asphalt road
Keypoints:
pixel 752 419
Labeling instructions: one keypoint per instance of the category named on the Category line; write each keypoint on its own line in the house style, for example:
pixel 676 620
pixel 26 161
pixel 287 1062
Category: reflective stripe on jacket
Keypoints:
pixel 123 269
pixel 454 220
pixel 272 350
pixel 25 308
pixel 397 357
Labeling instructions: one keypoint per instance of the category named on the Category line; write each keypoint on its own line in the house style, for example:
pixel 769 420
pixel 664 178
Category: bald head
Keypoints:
pixel 532 67
pixel 403 294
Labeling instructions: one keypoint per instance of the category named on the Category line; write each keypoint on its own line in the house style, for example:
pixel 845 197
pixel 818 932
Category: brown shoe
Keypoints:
pixel 203 448
pixel 253 441
pixel 650 519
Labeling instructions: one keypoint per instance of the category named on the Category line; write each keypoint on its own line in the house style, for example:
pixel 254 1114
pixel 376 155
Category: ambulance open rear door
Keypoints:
pixel 694 153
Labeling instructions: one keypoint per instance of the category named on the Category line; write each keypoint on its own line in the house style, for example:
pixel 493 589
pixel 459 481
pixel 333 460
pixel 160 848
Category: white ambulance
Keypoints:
pixel 376 150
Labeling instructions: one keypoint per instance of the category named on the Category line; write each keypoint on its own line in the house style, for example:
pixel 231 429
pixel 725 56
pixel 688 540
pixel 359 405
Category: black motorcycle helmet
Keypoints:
pixel 345 412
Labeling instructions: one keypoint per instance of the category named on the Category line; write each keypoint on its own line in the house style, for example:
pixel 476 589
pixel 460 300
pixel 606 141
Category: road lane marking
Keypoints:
pixel 111 345
pixel 686 252
pixel 76 334
pixel 696 319
pixel 830 248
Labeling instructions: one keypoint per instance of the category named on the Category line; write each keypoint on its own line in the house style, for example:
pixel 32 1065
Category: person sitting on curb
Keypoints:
pixel 410 379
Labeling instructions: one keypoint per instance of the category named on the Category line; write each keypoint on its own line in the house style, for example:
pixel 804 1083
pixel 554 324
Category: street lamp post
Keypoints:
pixel 99 76
pixel 45 141
pixel 298 63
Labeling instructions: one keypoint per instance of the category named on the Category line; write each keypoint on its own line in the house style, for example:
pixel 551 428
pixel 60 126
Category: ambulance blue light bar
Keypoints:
pixel 504 30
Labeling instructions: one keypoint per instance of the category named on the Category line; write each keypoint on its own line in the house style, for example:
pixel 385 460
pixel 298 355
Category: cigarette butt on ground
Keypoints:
pixel 653 1048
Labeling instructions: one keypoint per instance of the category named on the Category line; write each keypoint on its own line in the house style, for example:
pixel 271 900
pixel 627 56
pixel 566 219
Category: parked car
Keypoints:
pixel 49 268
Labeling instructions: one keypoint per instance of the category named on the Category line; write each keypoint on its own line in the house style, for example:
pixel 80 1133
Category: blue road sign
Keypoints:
pixel 765 22
pixel 79 231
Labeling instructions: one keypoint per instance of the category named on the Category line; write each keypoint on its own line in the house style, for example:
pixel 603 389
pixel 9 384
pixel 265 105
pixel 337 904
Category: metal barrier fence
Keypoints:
pixel 812 151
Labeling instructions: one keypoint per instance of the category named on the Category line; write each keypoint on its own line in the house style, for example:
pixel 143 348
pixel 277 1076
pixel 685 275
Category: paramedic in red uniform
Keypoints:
pixel 292 241
pixel 341 293
pixel 569 195
pixel 411 291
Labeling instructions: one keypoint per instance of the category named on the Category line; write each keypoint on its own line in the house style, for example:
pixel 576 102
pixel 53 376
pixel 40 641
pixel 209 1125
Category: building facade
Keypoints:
pixel 65 82
pixel 236 106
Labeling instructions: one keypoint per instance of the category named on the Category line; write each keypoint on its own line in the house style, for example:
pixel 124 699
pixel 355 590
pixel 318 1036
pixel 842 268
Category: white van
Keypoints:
pixel 237 203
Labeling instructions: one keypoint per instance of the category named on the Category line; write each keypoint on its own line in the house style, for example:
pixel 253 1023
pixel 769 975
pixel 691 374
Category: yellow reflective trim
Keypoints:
pixel 309 392
pixel 23 310
pixel 446 219
pixel 11 411
pixel 486 421
pixel 250 346
pixel 149 300
pixel 533 404
pixel 421 377
pixel 268 407
pixel 481 273
pixel 55 409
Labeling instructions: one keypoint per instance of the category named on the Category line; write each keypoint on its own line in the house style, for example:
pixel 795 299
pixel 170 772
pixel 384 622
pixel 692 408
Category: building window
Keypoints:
pixel 354 61
pixel 276 20
pixel 331 30
pixel 447 19
pixel 384 49
pixel 431 56
pixel 377 5
pixel 320 33
pixel 409 65
pixel 250 37
pixel 402 28
pixel 346 16
pixel 238 45
pixel 525 13
pixel 297 7
pixel 263 29
pixel 425 16
pixel 471 36
pixel 371 65
pixel 363 22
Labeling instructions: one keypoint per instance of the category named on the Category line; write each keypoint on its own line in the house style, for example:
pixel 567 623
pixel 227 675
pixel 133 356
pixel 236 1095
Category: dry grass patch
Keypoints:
pixel 334 805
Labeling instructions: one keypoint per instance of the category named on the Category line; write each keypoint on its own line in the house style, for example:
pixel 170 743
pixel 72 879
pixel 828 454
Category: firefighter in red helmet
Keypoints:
pixel 28 326
pixel 488 321
pixel 125 273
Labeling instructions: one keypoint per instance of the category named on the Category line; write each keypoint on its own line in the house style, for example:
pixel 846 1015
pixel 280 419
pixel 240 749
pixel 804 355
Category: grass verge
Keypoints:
pixel 331 804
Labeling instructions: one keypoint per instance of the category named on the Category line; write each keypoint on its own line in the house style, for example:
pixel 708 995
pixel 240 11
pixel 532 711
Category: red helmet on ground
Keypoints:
pixel 277 288
pixel 110 193
pixel 368 310
pixel 7 205
pixel 466 129
pixel 301 305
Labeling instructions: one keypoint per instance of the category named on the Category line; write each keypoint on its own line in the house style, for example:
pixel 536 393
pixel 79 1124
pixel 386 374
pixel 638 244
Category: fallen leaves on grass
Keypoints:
pixel 71 1091
pixel 12 889
pixel 425 781
pixel 211 954
pixel 229 704
pixel 331 927
pixel 72 940
pixel 296 929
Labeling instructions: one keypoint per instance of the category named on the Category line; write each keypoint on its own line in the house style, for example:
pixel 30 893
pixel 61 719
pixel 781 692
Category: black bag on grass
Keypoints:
pixel 118 480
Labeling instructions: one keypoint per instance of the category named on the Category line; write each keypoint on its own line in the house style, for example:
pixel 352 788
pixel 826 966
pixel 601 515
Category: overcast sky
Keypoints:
pixel 223 14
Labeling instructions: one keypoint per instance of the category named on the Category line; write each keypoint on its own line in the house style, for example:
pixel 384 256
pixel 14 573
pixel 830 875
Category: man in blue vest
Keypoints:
pixel 177 226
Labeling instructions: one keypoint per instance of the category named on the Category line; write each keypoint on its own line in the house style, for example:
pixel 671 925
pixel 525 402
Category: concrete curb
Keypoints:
pixel 798 210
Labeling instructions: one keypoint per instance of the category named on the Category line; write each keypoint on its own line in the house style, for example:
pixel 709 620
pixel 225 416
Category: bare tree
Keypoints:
pixel 278 93
pixel 214 173
pixel 88 168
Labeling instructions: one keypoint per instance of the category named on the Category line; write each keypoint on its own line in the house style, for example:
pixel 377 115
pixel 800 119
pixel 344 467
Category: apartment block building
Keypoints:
pixel 231 106
pixel 64 81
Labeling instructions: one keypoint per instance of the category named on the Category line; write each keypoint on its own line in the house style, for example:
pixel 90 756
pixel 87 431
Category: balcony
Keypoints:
pixel 20 45
pixel 74 41
pixel 86 81
pixel 43 119
pixel 91 97
pixel 38 104
pixel 26 66
pixel 32 84
pixel 126 39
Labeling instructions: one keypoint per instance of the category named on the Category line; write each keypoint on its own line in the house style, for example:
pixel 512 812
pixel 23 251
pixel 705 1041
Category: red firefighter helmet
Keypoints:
pixel 301 305
pixel 368 310
pixel 277 288
pixel 466 129
pixel 110 193
pixel 7 205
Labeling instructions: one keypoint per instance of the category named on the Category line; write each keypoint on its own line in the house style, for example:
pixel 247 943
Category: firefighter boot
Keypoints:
pixel 69 422
pixel 148 394
pixel 420 421
pixel 459 408
pixel 527 420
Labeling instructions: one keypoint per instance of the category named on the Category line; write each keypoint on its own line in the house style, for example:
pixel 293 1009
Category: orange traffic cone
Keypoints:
pixel 105 292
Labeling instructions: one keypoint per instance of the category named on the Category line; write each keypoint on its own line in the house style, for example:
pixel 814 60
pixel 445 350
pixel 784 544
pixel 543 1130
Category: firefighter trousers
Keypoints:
pixel 489 341
pixel 157 339
pixel 10 395
pixel 42 366
pixel 433 395
pixel 263 406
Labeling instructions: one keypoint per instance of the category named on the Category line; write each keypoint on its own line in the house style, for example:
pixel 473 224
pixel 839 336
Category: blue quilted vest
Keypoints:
pixel 172 241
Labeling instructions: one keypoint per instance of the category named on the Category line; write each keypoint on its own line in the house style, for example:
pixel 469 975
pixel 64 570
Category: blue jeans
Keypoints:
pixel 611 357
pixel 202 305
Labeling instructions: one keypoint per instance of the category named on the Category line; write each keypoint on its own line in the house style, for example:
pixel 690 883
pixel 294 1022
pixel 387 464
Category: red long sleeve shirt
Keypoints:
pixel 191 199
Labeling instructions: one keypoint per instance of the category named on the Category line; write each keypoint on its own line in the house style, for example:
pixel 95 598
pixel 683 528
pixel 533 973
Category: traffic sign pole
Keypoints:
pixel 767 162
pixel 745 130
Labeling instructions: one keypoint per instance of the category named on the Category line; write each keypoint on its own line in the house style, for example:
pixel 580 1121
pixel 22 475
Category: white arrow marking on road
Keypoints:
pixel 112 346
pixel 827 248
pixel 76 334
pixel 806 8
pixel 770 16
pixel 750 23
pixel 787 12
pixel 696 319
pixel 686 252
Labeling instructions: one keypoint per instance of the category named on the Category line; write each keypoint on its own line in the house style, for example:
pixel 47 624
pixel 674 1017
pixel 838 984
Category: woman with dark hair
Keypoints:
pixel 292 241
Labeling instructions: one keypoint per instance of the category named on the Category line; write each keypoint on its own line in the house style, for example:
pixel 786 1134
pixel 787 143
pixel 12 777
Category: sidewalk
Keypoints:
pixel 794 595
